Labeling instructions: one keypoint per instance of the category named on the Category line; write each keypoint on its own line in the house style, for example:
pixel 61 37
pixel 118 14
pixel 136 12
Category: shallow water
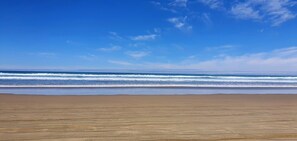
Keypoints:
pixel 90 83
pixel 146 91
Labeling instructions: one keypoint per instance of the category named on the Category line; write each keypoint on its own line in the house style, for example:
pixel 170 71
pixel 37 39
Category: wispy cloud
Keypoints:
pixel 115 36
pixel 179 3
pixel 222 47
pixel 275 12
pixel 157 30
pixel 206 19
pixel 191 57
pixel 89 57
pixel 213 4
pixel 178 8
pixel 123 63
pixel 137 54
pixel 180 23
pixel 173 6
pixel 137 44
pixel 71 42
pixel 277 60
pixel 164 8
pixel 245 11
pixel 44 54
pixel 144 37
pixel 110 49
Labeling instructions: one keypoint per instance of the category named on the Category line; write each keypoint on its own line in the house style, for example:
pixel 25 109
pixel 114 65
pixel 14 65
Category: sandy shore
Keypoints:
pixel 155 118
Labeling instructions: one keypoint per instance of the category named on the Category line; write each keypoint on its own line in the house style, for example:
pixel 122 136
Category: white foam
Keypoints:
pixel 94 75
pixel 148 86
pixel 146 79
pixel 147 76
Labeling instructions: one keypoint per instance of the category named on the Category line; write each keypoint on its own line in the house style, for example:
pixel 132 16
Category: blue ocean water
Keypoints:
pixel 142 83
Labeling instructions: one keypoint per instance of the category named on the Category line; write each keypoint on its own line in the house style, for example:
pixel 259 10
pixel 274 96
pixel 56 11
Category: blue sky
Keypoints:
pixel 202 35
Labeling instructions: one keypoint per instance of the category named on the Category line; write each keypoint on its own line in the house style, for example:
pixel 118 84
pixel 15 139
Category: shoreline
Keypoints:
pixel 148 86
pixel 146 91
pixel 166 95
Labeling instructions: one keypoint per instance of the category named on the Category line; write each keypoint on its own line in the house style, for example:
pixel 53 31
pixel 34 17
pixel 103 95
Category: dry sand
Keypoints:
pixel 155 118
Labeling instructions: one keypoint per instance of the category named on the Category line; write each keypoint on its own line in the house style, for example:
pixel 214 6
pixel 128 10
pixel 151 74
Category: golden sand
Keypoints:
pixel 151 118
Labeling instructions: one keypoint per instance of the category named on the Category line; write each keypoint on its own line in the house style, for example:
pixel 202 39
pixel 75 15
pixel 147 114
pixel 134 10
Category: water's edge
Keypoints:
pixel 146 91
pixel 87 83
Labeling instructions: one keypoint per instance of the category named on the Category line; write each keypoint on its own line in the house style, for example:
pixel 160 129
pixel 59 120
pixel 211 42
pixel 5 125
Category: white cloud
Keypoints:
pixel 179 3
pixel 180 23
pixel 110 49
pixel 115 36
pixel 160 6
pixel 123 63
pixel 177 7
pixel 275 12
pixel 89 57
pixel 157 30
pixel 144 37
pixel 213 4
pixel 222 47
pixel 206 19
pixel 245 11
pixel 70 42
pixel 277 60
pixel 284 59
pixel 286 52
pixel 137 54
pixel 191 57
pixel 173 6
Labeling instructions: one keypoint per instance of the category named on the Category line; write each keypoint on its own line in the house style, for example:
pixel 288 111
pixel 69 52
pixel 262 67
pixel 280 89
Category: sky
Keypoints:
pixel 196 35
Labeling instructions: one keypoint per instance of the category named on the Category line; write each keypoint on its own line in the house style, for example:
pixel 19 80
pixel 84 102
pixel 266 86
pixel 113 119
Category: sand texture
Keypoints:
pixel 149 118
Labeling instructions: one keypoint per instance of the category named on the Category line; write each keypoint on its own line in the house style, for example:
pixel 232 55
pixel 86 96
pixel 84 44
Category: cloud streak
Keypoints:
pixel 180 23
pixel 137 54
pixel 89 57
pixel 115 36
pixel 179 3
pixel 44 54
pixel 284 59
pixel 116 62
pixel 222 47
pixel 206 19
pixel 110 49
pixel 275 12
pixel 147 37
pixel 164 8
pixel 213 4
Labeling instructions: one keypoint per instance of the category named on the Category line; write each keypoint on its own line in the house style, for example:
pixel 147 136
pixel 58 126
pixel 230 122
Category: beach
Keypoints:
pixel 149 117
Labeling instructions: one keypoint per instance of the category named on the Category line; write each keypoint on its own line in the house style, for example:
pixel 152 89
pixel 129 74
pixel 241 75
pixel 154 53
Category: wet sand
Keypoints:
pixel 151 118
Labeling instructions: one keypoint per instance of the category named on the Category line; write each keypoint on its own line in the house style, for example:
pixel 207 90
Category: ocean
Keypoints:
pixel 34 82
